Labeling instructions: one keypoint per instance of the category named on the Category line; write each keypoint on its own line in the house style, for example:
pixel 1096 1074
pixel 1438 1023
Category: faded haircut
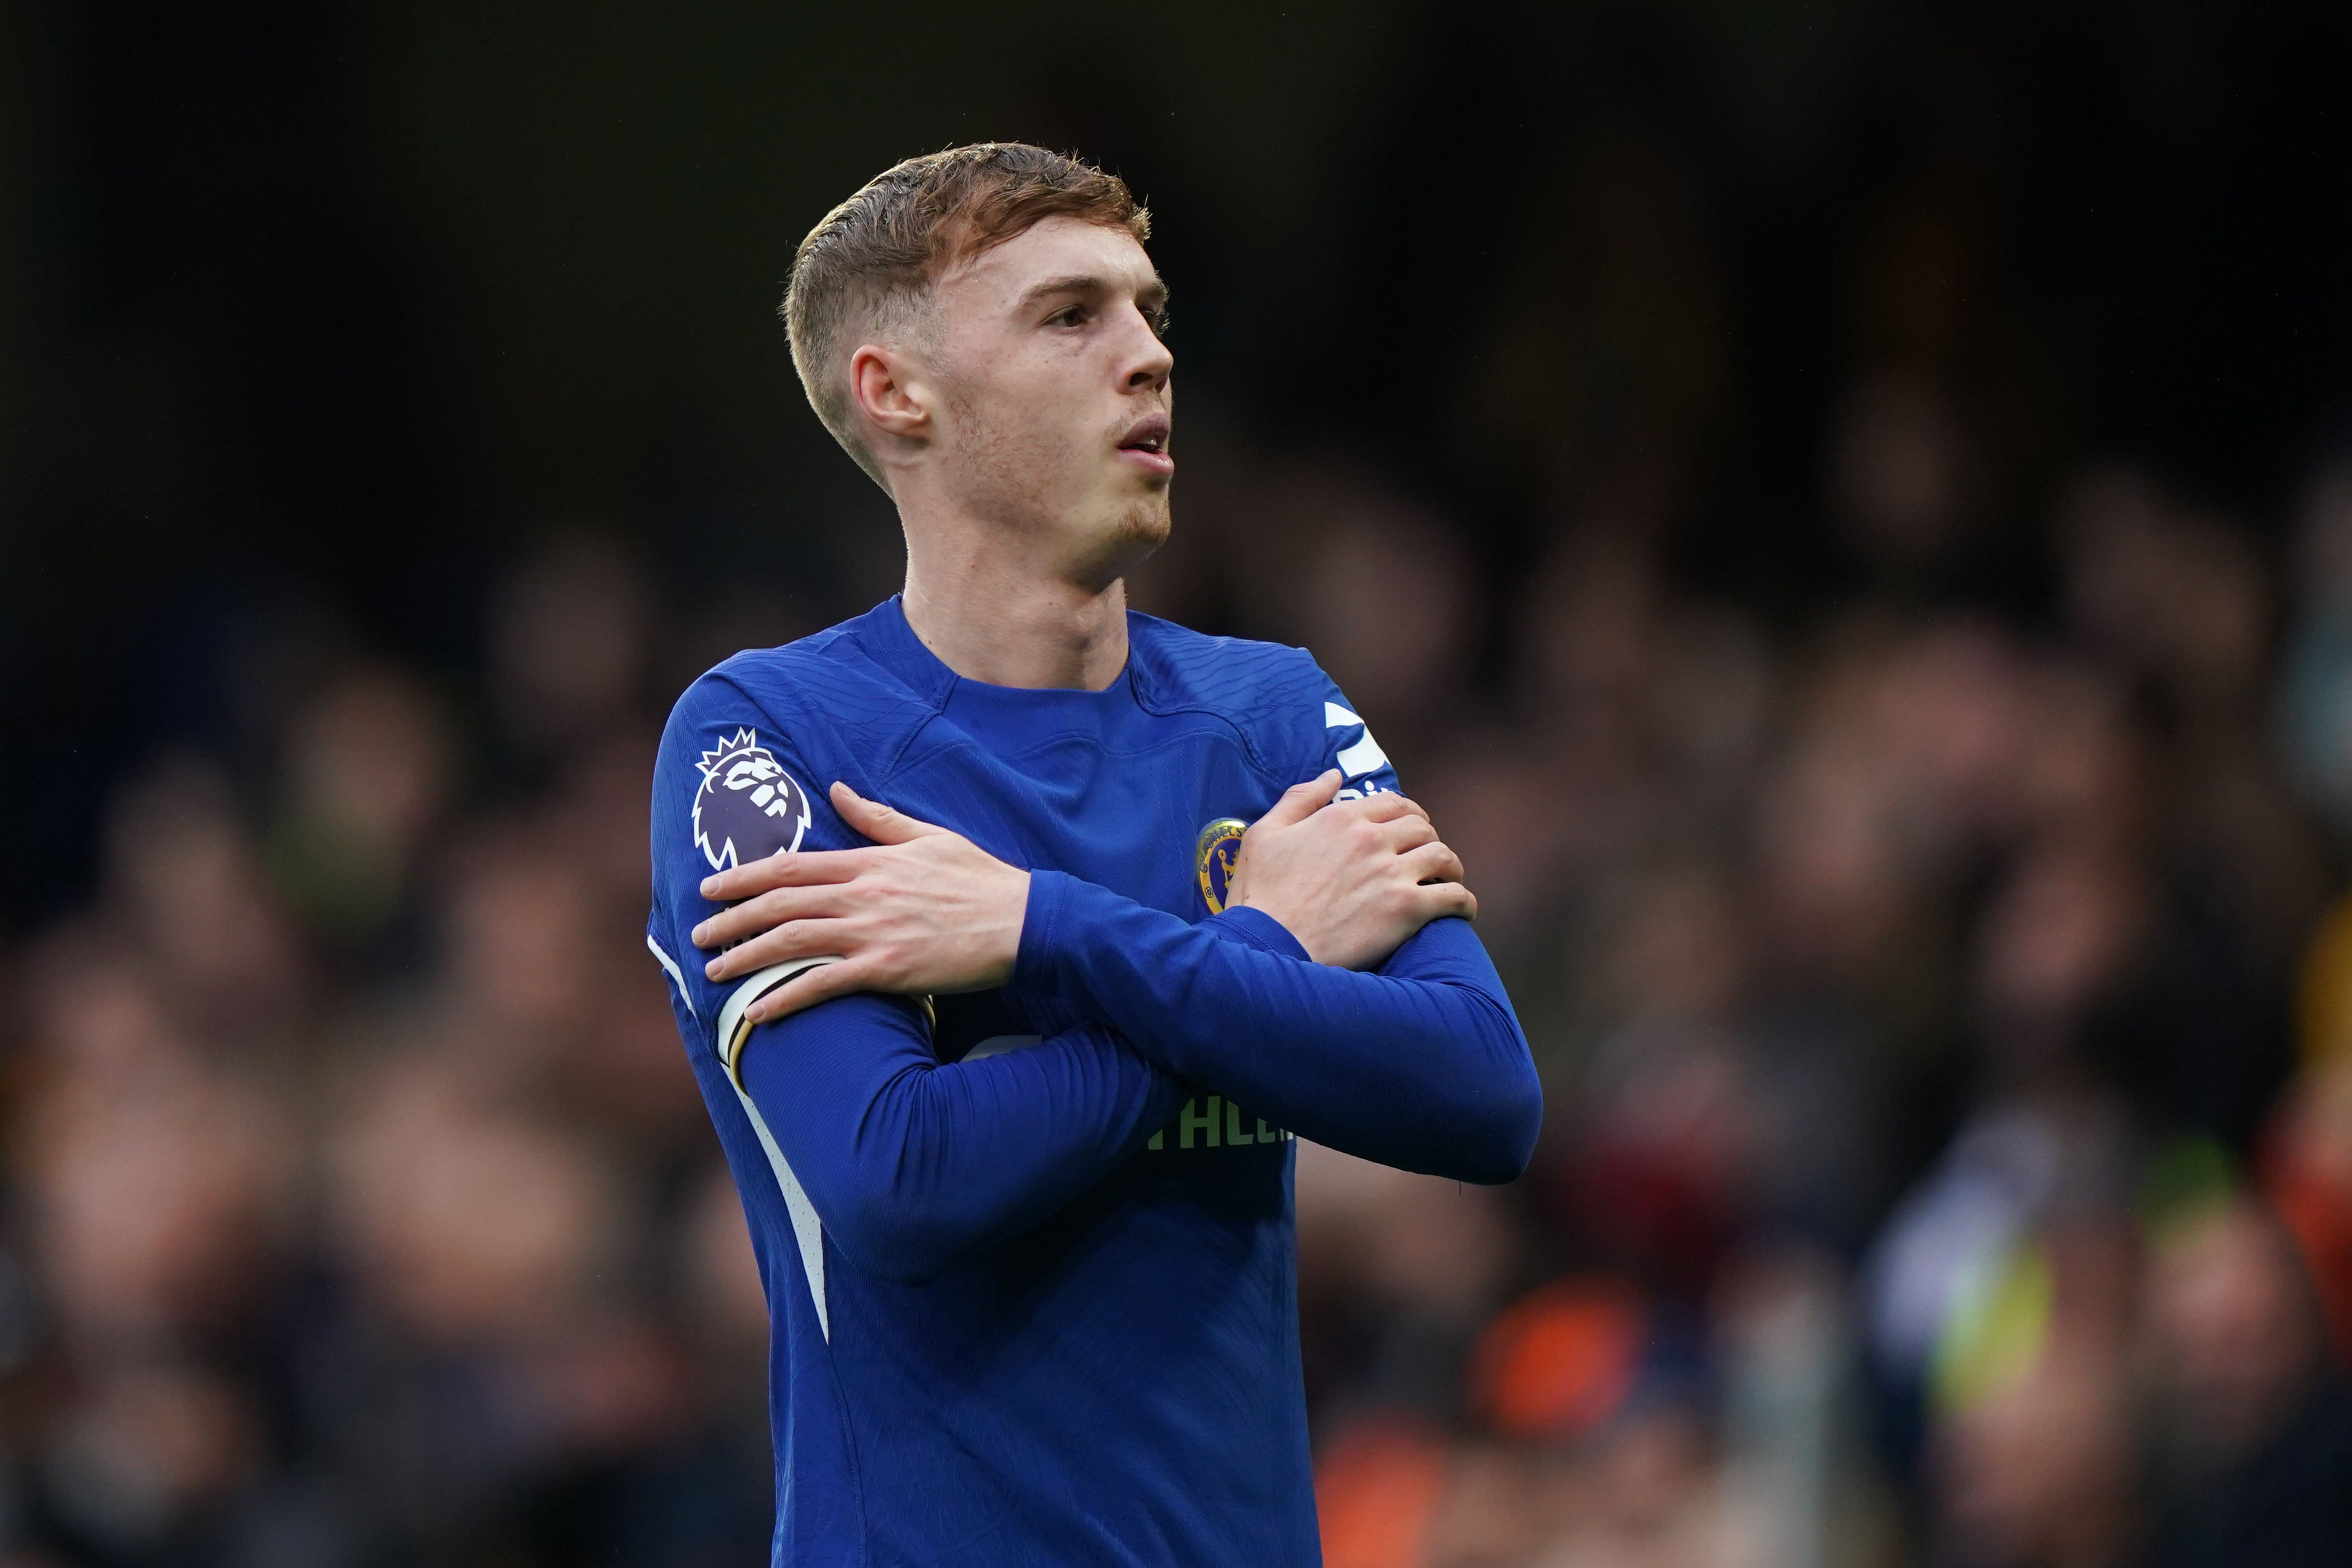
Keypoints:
pixel 872 260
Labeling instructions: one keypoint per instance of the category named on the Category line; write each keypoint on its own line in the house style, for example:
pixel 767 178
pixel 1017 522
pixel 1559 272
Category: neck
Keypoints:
pixel 992 618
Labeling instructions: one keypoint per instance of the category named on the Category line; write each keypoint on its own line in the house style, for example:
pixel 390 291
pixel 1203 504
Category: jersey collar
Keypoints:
pixel 892 643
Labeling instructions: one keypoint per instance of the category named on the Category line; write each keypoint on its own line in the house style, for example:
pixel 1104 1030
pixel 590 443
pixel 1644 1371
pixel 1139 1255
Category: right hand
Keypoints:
pixel 924 910
pixel 1350 880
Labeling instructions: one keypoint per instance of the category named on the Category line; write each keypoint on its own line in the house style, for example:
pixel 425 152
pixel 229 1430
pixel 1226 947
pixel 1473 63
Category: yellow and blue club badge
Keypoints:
pixel 1213 862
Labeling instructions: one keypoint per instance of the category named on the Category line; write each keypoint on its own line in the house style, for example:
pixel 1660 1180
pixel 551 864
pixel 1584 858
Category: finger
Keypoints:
pixel 1441 899
pixel 1406 834
pixel 804 990
pixel 1388 806
pixel 796 868
pixel 1433 862
pixel 772 908
pixel 794 939
pixel 1301 802
pixel 883 824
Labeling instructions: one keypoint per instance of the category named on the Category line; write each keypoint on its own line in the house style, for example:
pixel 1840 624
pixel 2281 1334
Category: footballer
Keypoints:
pixel 1016 938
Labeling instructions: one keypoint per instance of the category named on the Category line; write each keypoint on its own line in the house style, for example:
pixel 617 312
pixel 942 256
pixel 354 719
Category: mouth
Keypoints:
pixel 1145 443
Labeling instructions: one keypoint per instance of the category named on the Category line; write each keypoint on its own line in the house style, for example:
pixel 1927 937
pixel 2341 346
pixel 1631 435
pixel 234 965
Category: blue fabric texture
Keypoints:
pixel 1030 1266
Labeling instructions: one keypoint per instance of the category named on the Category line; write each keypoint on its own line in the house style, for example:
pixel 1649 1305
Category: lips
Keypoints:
pixel 1148 436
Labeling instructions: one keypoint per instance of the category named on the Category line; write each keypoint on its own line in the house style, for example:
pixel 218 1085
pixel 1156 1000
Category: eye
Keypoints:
pixel 1068 315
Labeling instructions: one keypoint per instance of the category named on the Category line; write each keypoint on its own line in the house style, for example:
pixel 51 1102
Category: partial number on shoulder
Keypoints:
pixel 1359 759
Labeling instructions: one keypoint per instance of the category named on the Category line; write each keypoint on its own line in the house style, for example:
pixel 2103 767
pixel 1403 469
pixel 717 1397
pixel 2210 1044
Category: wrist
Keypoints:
pixel 1249 924
pixel 1017 910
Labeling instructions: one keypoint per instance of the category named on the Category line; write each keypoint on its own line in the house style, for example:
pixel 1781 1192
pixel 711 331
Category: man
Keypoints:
pixel 1011 1092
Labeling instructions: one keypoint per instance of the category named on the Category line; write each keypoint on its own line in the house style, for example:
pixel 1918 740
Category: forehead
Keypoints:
pixel 1055 248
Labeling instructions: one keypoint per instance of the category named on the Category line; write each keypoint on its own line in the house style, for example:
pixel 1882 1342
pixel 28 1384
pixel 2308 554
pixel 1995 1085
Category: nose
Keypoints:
pixel 1151 362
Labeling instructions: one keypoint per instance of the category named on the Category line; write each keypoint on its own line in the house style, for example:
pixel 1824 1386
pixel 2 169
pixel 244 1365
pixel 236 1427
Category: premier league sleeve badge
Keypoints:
pixel 748 808
pixel 1213 859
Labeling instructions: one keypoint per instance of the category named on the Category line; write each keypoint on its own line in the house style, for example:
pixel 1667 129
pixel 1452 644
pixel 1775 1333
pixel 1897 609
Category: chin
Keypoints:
pixel 1126 538
pixel 1144 527
pixel 1148 522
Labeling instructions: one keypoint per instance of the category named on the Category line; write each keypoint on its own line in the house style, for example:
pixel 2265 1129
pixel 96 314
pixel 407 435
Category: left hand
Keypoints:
pixel 1350 880
pixel 924 911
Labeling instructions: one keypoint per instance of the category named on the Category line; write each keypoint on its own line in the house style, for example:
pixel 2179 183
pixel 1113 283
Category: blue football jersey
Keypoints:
pixel 1029 1254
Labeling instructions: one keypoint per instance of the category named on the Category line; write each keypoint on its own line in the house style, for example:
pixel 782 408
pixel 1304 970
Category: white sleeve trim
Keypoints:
pixel 734 1030
pixel 808 1230
pixel 677 976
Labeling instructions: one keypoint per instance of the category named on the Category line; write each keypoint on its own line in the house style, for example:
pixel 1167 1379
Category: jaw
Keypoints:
pixel 1120 541
pixel 1044 494
pixel 1087 533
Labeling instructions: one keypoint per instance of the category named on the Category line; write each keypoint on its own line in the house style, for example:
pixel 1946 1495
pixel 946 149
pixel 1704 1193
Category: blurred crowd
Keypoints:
pixel 363 1208
pixel 1944 998
pixel 1945 1007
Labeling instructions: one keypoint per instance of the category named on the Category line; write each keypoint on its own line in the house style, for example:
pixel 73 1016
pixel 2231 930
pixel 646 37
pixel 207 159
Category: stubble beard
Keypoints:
pixel 1132 538
pixel 1006 487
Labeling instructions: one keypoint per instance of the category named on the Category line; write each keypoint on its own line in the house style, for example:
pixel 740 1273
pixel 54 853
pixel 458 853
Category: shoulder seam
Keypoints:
pixel 1249 745
pixel 1148 696
pixel 931 708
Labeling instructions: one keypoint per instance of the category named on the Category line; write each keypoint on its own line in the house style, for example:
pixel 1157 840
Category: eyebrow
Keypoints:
pixel 1154 293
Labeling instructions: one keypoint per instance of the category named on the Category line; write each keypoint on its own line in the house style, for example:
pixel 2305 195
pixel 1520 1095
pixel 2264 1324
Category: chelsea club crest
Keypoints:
pixel 1213 859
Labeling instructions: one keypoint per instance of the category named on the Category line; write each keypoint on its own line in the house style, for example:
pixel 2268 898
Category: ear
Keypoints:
pixel 885 389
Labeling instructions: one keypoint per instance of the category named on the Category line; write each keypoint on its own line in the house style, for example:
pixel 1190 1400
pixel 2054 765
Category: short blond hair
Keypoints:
pixel 873 258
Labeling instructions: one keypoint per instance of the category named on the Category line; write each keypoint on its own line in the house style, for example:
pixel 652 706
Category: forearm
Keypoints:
pixel 1422 1066
pixel 912 1165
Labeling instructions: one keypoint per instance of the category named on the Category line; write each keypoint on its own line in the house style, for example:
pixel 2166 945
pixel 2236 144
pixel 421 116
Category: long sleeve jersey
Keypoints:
pixel 1029 1253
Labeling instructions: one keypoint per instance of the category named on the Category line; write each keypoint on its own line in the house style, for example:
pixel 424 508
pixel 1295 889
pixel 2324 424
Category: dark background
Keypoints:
pixel 361 300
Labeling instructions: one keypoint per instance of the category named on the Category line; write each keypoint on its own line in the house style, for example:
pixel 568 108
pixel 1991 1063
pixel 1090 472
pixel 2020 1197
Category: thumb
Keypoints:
pixel 1301 802
pixel 878 821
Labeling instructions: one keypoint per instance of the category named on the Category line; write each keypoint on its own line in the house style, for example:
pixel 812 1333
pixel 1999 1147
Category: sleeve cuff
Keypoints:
pixel 1055 904
pixel 1260 930
pixel 1034 965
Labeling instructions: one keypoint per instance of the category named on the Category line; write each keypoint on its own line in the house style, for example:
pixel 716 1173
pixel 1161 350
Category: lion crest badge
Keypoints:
pixel 748 808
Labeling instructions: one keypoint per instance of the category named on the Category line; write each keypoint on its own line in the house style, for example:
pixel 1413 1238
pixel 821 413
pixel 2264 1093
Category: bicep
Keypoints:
pixel 817 1076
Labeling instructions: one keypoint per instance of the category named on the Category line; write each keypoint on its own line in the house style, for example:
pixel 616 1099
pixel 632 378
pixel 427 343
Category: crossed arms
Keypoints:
pixel 1343 995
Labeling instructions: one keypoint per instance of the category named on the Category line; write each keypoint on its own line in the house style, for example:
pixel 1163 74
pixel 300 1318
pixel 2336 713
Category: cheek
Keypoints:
pixel 1027 423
